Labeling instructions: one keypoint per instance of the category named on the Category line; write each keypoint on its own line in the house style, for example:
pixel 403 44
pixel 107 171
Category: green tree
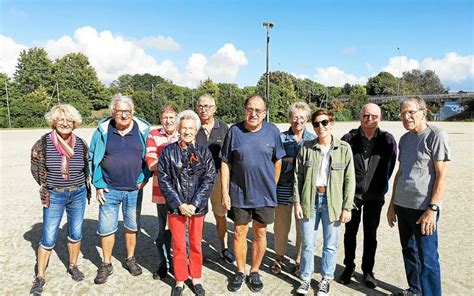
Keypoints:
pixel 230 101
pixel 382 84
pixel 28 110
pixel 390 110
pixel 357 98
pixel 207 87
pixel 34 69
pixel 424 83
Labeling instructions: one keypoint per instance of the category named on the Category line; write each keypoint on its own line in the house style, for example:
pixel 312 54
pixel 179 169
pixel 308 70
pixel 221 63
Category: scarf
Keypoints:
pixel 66 151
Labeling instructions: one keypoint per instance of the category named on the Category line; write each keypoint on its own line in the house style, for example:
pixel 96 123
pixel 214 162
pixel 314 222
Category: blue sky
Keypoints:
pixel 332 42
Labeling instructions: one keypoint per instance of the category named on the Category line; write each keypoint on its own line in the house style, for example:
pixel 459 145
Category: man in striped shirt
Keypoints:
pixel 157 140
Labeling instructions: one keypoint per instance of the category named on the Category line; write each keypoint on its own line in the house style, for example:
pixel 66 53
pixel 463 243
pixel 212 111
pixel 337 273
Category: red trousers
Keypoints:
pixel 177 226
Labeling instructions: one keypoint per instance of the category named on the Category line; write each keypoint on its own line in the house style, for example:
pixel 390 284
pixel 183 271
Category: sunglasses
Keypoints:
pixel 317 124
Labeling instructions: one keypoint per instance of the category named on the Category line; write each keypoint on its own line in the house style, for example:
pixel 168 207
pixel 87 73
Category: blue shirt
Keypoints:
pixel 251 156
pixel 287 177
pixel 122 163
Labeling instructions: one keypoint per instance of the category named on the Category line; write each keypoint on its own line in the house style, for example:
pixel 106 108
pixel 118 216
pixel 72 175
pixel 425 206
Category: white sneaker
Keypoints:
pixel 324 288
pixel 304 287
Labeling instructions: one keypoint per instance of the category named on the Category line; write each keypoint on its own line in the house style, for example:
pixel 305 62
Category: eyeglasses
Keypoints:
pixel 368 116
pixel 317 124
pixel 123 112
pixel 409 113
pixel 205 107
pixel 257 111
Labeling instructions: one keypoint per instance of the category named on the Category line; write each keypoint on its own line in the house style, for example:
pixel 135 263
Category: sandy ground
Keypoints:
pixel 21 219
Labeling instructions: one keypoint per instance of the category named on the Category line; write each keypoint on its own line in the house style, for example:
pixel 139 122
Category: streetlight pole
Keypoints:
pixel 267 26
pixel 399 70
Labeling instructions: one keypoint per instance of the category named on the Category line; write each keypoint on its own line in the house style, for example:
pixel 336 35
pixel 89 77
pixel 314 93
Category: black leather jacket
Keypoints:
pixel 186 176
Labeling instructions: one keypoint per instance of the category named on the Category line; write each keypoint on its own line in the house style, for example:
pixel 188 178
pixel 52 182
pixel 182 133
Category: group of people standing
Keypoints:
pixel 251 173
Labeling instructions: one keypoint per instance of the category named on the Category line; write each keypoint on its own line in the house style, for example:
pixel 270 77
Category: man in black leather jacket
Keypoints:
pixel 186 174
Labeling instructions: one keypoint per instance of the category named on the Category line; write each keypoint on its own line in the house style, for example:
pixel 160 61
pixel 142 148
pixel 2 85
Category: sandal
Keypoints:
pixel 276 267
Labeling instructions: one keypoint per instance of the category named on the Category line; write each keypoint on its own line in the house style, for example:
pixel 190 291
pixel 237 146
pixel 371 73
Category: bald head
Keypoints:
pixel 370 116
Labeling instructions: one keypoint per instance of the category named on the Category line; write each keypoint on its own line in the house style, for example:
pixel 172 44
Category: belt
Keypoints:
pixel 65 189
pixel 321 189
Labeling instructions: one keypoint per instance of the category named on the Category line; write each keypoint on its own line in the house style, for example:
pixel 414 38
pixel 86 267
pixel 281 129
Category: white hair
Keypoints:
pixel 121 98
pixel 206 96
pixel 299 106
pixel 188 114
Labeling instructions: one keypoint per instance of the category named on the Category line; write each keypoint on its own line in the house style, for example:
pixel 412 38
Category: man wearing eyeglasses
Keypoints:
pixel 375 153
pixel 211 134
pixel 118 170
pixel 251 162
pixel 418 191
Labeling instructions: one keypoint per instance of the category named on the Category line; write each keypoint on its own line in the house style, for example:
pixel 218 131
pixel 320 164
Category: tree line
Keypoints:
pixel 39 82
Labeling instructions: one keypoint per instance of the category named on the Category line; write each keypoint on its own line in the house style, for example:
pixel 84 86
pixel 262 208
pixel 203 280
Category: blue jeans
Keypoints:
pixel 75 204
pixel 420 253
pixel 163 239
pixel 309 230
pixel 108 212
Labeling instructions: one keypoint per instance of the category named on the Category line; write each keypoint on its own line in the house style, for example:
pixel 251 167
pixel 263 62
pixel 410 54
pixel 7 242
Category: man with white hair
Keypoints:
pixel 118 170
pixel 375 153
pixel 212 134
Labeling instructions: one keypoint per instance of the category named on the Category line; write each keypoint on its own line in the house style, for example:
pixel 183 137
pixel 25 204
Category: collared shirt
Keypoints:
pixel 213 140
pixel 157 140
pixel 122 163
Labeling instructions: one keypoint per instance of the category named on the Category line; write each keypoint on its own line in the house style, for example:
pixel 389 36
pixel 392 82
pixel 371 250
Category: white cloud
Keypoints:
pixel 300 76
pixel 159 42
pixel 113 55
pixel 452 67
pixel 333 76
pixel 399 64
pixel 9 53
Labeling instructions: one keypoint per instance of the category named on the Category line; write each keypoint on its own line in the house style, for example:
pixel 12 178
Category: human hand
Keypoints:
pixel 345 216
pixel 99 194
pixel 298 211
pixel 226 201
pixel 428 222
pixel 391 216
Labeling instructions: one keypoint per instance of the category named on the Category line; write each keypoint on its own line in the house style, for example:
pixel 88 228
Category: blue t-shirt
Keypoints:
pixel 122 163
pixel 251 156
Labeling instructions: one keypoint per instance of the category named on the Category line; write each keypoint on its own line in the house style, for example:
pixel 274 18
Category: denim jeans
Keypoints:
pixel 309 229
pixel 420 253
pixel 108 212
pixel 75 204
pixel 163 239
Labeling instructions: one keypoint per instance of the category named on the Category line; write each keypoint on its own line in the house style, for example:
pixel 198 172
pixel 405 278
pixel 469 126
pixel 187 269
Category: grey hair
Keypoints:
pixel 121 98
pixel 418 100
pixel 188 114
pixel 299 106
pixel 69 112
pixel 206 96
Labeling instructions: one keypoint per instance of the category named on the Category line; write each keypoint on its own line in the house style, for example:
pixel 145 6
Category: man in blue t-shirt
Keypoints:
pixel 251 162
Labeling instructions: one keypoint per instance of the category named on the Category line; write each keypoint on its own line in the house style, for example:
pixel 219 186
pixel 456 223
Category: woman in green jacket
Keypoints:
pixel 323 192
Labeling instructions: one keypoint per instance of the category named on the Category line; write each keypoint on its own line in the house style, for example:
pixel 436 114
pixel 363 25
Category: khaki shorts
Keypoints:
pixel 216 198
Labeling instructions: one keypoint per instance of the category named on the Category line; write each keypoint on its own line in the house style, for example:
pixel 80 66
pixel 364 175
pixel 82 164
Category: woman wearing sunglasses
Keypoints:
pixel 323 194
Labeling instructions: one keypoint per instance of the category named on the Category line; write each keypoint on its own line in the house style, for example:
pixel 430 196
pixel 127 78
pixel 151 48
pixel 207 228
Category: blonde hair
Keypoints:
pixel 68 111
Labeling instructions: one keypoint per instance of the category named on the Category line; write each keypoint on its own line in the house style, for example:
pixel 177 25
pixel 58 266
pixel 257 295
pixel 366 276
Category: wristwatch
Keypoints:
pixel 433 207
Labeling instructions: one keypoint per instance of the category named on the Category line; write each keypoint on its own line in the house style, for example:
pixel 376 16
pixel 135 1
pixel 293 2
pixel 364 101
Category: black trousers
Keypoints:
pixel 370 211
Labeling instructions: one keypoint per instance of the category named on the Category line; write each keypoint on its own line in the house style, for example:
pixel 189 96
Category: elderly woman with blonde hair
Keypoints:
pixel 59 164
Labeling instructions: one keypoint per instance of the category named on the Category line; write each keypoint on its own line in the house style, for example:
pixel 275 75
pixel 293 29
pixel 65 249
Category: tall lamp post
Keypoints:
pixel 267 26
pixel 399 70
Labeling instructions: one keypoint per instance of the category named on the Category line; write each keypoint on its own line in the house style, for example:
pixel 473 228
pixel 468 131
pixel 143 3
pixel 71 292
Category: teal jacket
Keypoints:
pixel 97 151
pixel 341 182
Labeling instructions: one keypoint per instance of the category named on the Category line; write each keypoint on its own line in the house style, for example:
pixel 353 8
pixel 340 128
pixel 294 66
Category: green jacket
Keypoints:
pixel 341 187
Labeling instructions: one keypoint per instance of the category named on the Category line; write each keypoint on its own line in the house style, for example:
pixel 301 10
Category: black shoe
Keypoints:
pixel 132 266
pixel 236 283
pixel 75 273
pixel 369 280
pixel 346 276
pixel 255 283
pixel 323 288
pixel 103 273
pixel 199 290
pixel 405 293
pixel 161 273
pixel 227 255
pixel 177 290
pixel 37 287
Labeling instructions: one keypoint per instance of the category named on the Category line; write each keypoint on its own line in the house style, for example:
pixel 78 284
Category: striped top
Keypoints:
pixel 54 177
pixel 157 141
